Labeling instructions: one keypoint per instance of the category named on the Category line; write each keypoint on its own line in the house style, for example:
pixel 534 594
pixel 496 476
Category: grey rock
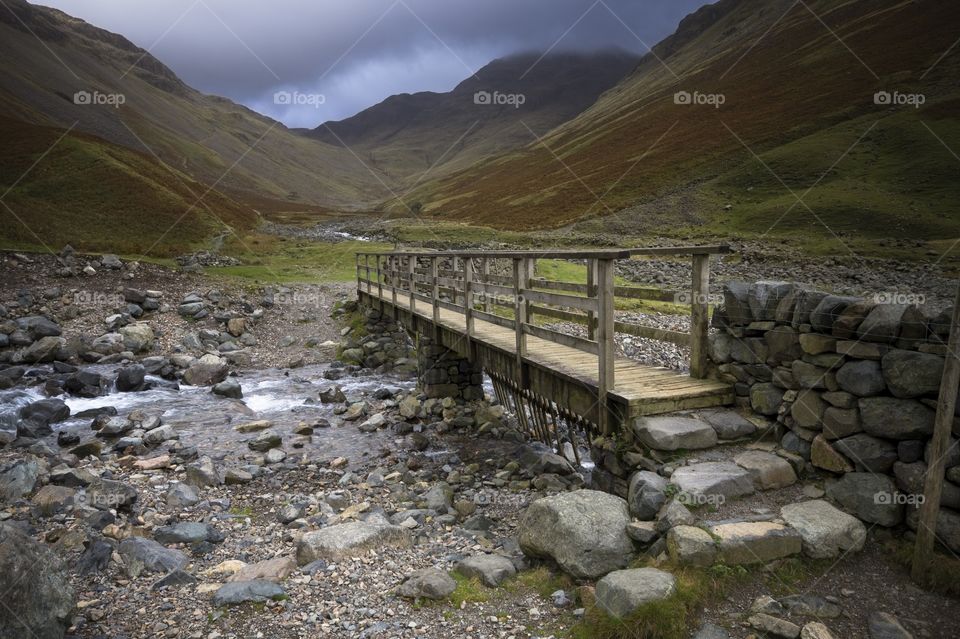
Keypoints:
pixel 264 441
pixel 17 480
pixel 187 532
pixel 894 418
pixel 729 424
pixel 691 546
pixel 755 542
pixel 228 388
pixel 912 374
pixel 712 480
pixel 647 494
pixel 203 472
pixel 40 605
pixel 674 433
pixel 868 453
pixel 622 592
pixel 349 539
pixel 825 530
pixel 868 496
pixel 765 398
pixel 583 531
pixel 828 311
pixel 239 592
pixel 181 495
pixel 139 554
pixel 883 625
pixel 428 583
pixel 882 324
pixel 863 378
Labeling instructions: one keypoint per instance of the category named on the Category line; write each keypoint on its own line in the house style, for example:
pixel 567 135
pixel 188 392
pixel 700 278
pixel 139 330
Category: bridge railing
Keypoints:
pixel 501 287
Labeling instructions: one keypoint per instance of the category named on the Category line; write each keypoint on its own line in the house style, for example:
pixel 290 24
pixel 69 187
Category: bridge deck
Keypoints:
pixel 643 389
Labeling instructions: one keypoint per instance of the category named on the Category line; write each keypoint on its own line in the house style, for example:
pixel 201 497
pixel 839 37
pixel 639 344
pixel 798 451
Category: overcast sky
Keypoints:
pixel 354 53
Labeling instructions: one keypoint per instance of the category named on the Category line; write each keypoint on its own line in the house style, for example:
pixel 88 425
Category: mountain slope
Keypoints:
pixel 410 134
pixel 76 189
pixel 798 83
pixel 48 57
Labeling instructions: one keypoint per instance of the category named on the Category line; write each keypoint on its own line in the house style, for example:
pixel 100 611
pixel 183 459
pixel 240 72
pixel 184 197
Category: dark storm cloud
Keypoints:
pixel 354 53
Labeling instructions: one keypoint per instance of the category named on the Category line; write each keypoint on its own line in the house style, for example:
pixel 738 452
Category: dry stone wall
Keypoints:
pixel 852 384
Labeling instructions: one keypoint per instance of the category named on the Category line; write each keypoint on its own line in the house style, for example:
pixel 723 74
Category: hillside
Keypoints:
pixel 48 57
pixel 99 196
pixel 409 134
pixel 796 101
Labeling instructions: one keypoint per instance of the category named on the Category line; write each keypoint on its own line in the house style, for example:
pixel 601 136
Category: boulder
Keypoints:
pixel 18 479
pixel 583 531
pixel 428 583
pixel 646 495
pixel 825 530
pixel 736 303
pixel 868 453
pixel 348 540
pixel 870 497
pixel 142 554
pixel 863 378
pixel 729 424
pixel 769 471
pixel 45 349
pixel 910 480
pixel 912 374
pixel 712 480
pixel 131 378
pixel 691 546
pixel 894 418
pixel 764 297
pixel 275 570
pixel 755 542
pixel 824 455
pixel 238 592
pixel 883 625
pixel 264 441
pixel 203 472
pixel 808 410
pixel 828 311
pixel 882 324
pixel 765 398
pixel 137 338
pixel 38 327
pixel 622 592
pixel 39 600
pixel 206 372
pixel 187 532
pixel 491 570
pixel 674 433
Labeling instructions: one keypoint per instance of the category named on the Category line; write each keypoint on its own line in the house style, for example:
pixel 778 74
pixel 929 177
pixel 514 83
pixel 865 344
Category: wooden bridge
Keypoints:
pixel 483 306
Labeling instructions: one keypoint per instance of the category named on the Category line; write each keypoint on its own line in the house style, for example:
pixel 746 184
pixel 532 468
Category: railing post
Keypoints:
pixel 520 284
pixel 394 280
pixel 591 292
pixel 531 271
pixel 605 340
pixel 435 280
pixel 366 264
pixel 485 272
pixel 699 311
pixel 380 281
pixel 468 303
pixel 359 281
pixel 412 270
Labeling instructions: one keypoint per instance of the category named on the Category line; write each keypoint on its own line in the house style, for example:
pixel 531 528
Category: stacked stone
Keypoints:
pixel 852 384
pixel 383 346
pixel 444 373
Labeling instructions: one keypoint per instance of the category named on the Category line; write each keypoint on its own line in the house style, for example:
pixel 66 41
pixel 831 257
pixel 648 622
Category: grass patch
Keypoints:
pixel 541 581
pixel 943 574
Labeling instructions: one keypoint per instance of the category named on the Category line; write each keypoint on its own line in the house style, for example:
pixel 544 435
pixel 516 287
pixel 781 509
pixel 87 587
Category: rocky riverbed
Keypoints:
pixel 187 458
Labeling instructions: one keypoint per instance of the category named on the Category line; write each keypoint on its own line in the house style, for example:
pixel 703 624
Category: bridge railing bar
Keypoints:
pixel 451 281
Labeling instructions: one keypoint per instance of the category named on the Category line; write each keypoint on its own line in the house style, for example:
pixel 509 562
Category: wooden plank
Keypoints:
pixel 933 486
pixel 563 339
pixel 559 299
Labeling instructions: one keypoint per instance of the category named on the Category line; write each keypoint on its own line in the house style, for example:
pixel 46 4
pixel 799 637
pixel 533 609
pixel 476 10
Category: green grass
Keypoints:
pixel 270 259
pixel 943 574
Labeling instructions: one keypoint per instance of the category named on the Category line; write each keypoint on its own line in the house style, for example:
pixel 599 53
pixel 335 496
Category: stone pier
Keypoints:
pixel 445 373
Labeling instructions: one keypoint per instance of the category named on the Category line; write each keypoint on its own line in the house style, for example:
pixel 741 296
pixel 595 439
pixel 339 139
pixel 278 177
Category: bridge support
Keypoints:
pixel 443 372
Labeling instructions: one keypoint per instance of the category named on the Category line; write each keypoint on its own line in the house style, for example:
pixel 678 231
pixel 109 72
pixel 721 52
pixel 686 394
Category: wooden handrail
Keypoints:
pixel 593 303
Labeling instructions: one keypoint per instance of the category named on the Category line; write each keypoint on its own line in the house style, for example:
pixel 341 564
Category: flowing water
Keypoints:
pixel 207 421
